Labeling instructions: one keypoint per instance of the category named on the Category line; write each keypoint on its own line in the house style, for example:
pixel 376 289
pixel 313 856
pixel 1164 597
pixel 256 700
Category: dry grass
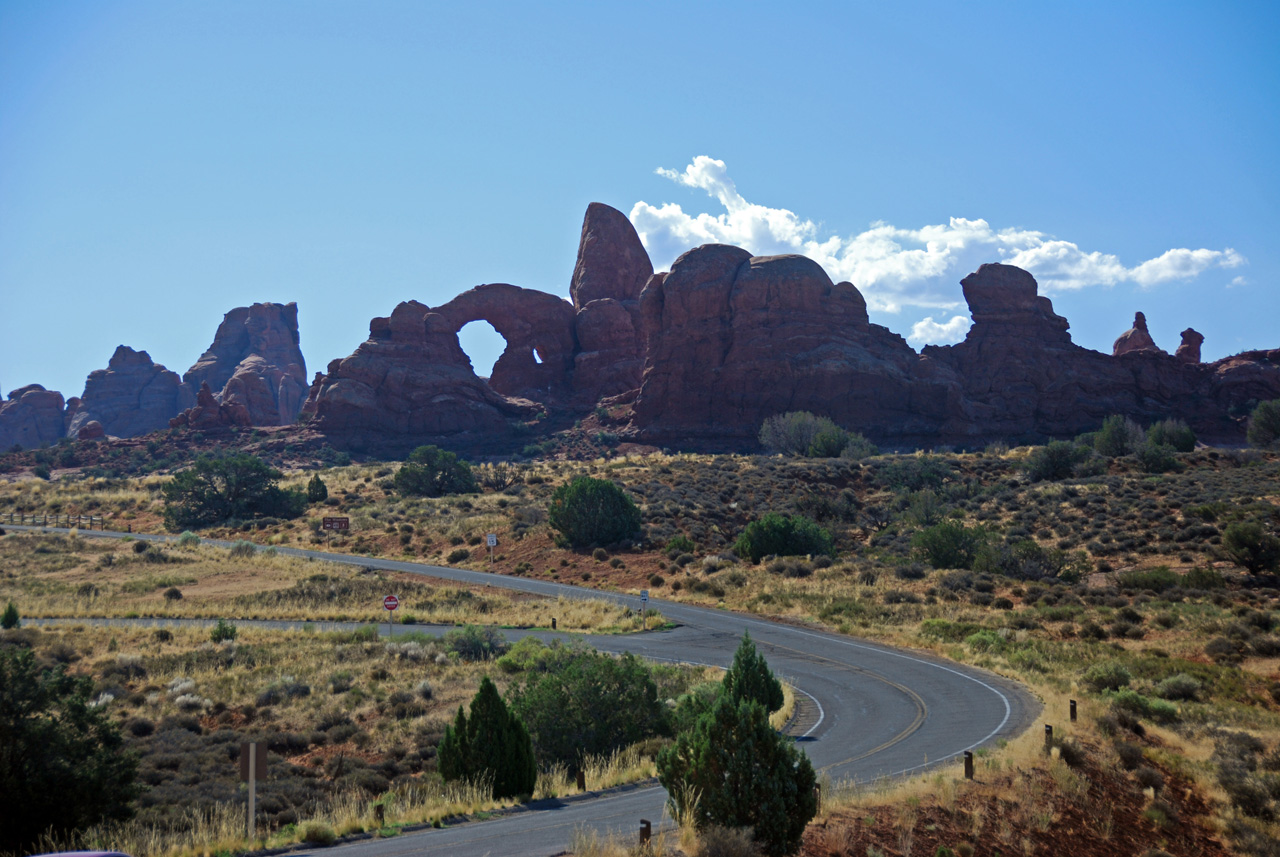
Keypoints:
pixel 73 577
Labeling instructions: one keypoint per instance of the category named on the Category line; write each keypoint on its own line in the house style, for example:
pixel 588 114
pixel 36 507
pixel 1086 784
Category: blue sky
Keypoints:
pixel 161 163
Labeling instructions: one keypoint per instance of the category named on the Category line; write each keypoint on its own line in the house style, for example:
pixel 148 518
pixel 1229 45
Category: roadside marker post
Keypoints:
pixel 253 767
pixel 968 764
pixel 1073 711
pixel 391 603
pixel 492 540
pixel 646 831
pixel 1048 737
pixel 644 605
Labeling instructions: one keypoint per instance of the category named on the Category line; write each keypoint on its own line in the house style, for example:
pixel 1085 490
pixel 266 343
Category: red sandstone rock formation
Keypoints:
pixel 132 396
pixel 612 263
pixel 733 339
pixel 209 413
pixel 611 272
pixel 1021 377
pixel 32 416
pixel 91 430
pixel 1136 338
pixel 538 328
pixel 1189 350
pixel 255 361
pixel 410 382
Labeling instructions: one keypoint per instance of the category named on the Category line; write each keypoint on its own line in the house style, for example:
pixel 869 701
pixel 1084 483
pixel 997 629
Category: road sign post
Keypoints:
pixel 331 524
pixel 391 603
pixel 492 540
pixel 644 605
pixel 253 767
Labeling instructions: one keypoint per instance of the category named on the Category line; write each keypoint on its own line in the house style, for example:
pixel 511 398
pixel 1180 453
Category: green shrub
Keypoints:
pixel 1252 547
pixel 459 555
pixel 1264 425
pixel 587 704
pixel 858 447
pixel 1203 578
pixel 1108 676
pixel 1179 687
pixel 1135 703
pixel 433 472
pixel 223 631
pixel 1057 460
pixel 1026 559
pixel 985 641
pixel 795 433
pixel 680 544
pixel 188 539
pixel 317 833
pixel 783 535
pixel 241 548
pixel 1172 433
pixel 10 619
pixel 590 511
pixel 1118 436
pixel 1156 579
pixel 317 491
pixel 949 544
pixel 476 642
pixel 1156 458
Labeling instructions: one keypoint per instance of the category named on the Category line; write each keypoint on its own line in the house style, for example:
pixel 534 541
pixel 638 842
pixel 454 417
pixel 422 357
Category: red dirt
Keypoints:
pixel 1006 805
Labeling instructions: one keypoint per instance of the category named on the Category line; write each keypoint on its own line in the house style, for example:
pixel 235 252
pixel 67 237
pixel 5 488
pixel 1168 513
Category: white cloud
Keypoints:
pixel 892 266
pixel 927 331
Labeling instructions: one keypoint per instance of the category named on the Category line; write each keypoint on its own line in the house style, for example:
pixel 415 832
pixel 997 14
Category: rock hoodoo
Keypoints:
pixel 209 413
pixel 1136 338
pixel 612 263
pixel 132 396
pixel 30 417
pixel 1189 350
pixel 254 361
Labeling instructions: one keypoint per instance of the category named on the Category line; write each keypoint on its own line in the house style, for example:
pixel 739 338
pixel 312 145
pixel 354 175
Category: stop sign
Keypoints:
pixel 391 602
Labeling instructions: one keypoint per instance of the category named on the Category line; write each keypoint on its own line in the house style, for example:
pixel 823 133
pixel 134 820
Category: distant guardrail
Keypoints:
pixel 83 522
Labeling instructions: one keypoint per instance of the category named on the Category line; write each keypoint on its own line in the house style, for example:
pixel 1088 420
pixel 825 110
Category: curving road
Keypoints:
pixel 865 711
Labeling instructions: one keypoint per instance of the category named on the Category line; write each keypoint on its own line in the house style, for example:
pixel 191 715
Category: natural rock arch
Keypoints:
pixel 538 360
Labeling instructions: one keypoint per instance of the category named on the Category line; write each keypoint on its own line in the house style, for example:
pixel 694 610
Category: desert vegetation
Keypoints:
pixel 1120 569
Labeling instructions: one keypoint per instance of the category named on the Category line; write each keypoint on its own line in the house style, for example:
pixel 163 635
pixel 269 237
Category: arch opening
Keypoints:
pixel 483 345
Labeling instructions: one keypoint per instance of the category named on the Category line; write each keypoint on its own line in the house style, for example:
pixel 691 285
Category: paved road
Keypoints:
pixel 866 711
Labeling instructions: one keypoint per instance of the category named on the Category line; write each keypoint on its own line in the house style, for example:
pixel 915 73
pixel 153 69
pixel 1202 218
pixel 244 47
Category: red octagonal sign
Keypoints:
pixel 391 602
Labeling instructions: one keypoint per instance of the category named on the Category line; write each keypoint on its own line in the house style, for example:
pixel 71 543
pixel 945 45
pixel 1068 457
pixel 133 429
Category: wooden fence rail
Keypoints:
pixel 83 522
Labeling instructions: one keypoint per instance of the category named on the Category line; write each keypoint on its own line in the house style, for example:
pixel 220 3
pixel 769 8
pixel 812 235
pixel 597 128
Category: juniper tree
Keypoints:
pixel 750 677
pixel 490 744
